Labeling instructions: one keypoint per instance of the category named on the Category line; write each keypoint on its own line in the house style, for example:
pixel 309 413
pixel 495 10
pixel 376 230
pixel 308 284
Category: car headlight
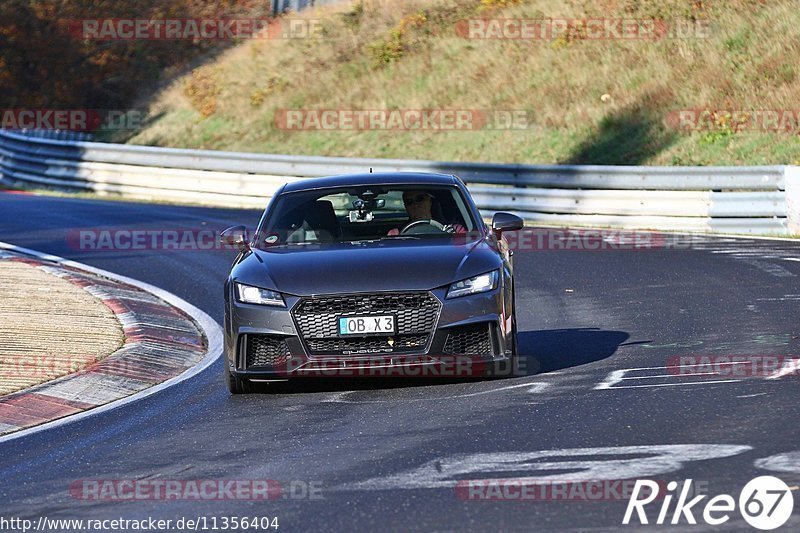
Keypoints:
pixel 475 285
pixel 254 295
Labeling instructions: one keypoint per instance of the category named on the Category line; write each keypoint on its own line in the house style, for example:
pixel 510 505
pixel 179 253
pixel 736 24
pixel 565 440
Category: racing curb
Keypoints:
pixel 161 343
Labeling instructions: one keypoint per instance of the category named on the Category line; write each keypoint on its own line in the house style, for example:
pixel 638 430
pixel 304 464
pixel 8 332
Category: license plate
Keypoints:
pixel 361 325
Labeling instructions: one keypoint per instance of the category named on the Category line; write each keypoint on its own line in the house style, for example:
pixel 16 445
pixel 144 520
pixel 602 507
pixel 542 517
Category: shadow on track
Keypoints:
pixel 556 349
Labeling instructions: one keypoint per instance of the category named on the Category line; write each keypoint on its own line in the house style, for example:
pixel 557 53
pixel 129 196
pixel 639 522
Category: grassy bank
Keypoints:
pixel 604 101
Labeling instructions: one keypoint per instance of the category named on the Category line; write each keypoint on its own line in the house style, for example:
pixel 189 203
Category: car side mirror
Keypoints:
pixel 506 222
pixel 235 237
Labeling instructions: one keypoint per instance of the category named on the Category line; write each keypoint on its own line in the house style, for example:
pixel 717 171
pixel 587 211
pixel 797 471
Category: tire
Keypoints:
pixel 509 367
pixel 514 340
pixel 236 385
pixel 514 348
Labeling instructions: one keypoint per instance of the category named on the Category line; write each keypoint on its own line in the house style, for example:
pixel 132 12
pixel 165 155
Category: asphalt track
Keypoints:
pixel 387 454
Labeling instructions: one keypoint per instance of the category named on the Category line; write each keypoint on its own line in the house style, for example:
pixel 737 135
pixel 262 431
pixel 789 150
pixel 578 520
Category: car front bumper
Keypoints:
pixel 468 337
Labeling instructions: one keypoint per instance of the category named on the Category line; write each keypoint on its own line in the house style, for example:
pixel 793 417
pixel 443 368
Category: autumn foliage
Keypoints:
pixel 44 63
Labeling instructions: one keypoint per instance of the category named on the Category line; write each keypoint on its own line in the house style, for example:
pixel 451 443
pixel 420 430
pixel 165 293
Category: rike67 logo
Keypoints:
pixel 765 503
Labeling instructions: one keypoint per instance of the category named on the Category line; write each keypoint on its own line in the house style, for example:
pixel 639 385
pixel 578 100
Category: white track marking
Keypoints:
pixel 534 467
pixel 790 366
pixel 684 366
pixel 662 376
pixel 782 462
pixel 208 326
pixel 336 397
pixel 618 376
pixel 727 237
pixel 752 237
pixel 614 377
pixel 709 382
pixel 533 388
pixel 538 387
pixel 754 256
pixel 731 251
pixel 769 268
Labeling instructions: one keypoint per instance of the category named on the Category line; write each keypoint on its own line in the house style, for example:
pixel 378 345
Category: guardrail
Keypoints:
pixel 729 199
pixel 793 199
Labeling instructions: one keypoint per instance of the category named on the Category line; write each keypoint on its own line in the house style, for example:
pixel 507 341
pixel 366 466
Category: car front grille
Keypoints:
pixel 469 340
pixel 265 350
pixel 317 320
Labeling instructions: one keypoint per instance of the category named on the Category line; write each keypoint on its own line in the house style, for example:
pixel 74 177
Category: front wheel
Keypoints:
pixel 513 359
pixel 514 337
pixel 236 385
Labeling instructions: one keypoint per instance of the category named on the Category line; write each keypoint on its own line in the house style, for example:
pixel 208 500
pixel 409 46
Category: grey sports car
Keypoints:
pixel 365 274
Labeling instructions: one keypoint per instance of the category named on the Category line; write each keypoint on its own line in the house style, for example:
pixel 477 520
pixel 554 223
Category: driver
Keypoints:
pixel 418 206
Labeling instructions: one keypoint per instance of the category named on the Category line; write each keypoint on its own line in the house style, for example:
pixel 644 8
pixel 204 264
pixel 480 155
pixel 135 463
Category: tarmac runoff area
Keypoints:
pixel 71 340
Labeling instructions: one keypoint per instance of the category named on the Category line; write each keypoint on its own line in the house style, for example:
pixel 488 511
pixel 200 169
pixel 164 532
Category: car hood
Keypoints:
pixel 386 265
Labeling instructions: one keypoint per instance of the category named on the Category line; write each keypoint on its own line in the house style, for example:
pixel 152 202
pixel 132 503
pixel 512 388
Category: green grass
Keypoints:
pixel 395 54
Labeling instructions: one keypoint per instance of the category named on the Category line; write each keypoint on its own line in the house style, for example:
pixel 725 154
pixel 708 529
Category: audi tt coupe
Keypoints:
pixel 348 275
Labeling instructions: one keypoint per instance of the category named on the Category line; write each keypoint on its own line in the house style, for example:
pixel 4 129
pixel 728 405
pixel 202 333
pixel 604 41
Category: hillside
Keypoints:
pixel 584 98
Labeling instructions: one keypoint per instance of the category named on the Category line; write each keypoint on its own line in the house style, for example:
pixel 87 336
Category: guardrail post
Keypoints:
pixel 792 177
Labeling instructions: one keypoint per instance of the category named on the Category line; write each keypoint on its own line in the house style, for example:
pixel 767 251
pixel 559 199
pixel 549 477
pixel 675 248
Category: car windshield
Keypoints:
pixel 366 213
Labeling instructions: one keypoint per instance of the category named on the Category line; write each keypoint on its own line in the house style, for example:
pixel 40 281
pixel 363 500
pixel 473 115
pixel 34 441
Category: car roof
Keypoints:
pixel 382 178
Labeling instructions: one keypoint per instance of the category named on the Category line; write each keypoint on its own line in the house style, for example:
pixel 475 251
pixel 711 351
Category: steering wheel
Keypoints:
pixel 423 226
